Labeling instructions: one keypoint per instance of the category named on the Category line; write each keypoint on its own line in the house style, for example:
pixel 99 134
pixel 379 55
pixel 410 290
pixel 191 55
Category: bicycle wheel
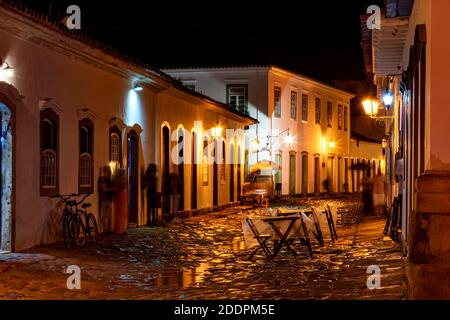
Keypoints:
pixel 78 231
pixel 66 230
pixel 91 227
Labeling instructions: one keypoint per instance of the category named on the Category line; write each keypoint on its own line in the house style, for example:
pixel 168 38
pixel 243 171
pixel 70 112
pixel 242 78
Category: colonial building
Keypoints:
pixel 303 124
pixel 409 58
pixel 70 106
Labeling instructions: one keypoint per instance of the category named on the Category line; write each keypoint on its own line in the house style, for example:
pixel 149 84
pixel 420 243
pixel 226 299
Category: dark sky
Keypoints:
pixel 316 38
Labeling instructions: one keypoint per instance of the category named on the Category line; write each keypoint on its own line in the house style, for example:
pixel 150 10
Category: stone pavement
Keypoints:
pixel 205 258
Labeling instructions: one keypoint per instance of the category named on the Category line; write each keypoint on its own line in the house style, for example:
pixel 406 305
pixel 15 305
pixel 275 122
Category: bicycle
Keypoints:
pixel 390 227
pixel 90 223
pixel 75 230
pixel 81 230
pixel 68 215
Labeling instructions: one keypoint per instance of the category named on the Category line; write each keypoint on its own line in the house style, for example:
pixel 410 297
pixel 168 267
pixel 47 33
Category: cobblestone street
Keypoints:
pixel 204 257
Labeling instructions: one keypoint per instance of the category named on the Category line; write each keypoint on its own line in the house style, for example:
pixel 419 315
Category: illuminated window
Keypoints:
pixel 237 97
pixel 49 152
pixel 293 105
pixel 318 107
pixel 277 102
pixel 330 114
pixel 304 107
pixel 205 159
pixel 115 145
pixel 339 117
pixel 86 158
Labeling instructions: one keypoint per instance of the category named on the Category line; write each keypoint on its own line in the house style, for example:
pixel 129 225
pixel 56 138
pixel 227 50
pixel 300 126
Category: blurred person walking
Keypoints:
pixel 105 195
pixel 150 182
pixel 121 202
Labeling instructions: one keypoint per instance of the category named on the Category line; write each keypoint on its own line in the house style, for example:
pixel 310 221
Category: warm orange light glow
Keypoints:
pixel 370 107
pixel 289 139
pixel 216 131
pixel 324 145
pixel 332 144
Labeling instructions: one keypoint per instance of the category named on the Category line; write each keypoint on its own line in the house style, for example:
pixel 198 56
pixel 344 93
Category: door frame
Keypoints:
pixel 194 171
pixel 12 99
pixel 132 134
pixel 231 172
pixel 292 169
pixel 216 174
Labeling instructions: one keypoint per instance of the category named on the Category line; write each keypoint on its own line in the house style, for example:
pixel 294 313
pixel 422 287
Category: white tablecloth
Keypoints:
pixel 265 228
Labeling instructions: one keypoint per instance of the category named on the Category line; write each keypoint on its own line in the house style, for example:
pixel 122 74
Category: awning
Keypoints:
pixel 388 45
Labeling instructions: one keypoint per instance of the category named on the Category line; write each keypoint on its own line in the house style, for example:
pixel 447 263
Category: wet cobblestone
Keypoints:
pixel 205 258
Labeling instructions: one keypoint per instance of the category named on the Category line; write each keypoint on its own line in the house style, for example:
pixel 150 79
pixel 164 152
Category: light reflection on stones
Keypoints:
pixel 205 258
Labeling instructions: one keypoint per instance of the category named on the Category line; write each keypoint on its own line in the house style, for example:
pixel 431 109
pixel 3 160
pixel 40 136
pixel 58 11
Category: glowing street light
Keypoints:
pixel 388 99
pixel 371 107
pixel 137 87
pixel 6 71
pixel 332 144
pixel 289 139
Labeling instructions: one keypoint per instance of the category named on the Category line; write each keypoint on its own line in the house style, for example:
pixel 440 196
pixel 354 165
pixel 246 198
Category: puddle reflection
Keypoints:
pixel 184 278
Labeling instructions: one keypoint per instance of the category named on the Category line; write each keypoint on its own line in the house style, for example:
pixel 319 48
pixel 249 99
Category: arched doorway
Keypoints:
pixel 165 168
pixel 6 178
pixel 133 176
pixel 292 173
pixel 180 168
pixel 304 174
pixel 194 172
pixel 317 175
pixel 231 172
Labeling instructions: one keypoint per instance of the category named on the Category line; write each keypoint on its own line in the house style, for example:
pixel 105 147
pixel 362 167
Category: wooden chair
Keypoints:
pixel 331 223
pixel 265 202
pixel 318 234
pixel 261 238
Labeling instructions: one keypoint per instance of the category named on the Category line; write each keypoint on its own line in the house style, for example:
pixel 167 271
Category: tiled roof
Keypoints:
pixel 268 66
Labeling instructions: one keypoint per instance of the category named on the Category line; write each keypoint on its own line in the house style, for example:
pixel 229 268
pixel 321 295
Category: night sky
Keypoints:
pixel 317 38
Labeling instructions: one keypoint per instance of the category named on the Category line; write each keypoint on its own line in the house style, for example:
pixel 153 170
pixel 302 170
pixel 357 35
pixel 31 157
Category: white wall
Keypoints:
pixel 71 85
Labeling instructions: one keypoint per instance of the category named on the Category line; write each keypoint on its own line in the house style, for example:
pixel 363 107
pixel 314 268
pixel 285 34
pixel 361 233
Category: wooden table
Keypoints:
pixel 284 241
pixel 309 211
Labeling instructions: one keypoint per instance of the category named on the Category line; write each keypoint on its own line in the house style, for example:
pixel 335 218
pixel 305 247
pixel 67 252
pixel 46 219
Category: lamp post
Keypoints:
pixel 370 107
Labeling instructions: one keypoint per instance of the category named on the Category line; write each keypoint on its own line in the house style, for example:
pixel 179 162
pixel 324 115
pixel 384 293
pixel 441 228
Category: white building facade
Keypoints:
pixel 70 107
pixel 304 125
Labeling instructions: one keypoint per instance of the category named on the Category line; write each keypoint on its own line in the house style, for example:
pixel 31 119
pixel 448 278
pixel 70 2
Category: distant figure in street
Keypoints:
pixel 105 194
pixel 367 186
pixel 174 192
pixel 327 185
pixel 121 201
pixel 399 173
pixel 379 185
pixel 150 183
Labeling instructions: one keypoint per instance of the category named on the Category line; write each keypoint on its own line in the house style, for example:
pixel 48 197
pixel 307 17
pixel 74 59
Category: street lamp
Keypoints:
pixel 388 99
pixel 370 107
pixel 289 139
pixel 137 87
pixel 332 144
pixel 5 70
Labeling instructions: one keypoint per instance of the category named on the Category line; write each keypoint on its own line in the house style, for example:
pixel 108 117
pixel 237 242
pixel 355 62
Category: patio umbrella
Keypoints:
pixel 265 165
